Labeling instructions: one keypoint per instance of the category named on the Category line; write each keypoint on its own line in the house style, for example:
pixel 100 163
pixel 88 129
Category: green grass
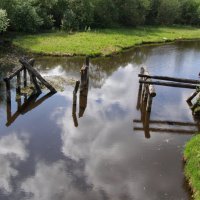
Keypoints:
pixel 101 42
pixel 192 167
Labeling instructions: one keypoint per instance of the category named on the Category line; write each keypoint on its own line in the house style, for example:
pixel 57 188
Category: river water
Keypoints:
pixel 101 152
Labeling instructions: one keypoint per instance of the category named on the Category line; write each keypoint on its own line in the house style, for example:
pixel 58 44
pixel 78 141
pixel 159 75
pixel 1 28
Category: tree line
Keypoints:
pixel 73 15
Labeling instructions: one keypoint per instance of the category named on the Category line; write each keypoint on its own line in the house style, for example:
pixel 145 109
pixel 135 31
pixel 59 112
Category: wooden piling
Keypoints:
pixel 25 77
pixel 18 89
pixel 140 90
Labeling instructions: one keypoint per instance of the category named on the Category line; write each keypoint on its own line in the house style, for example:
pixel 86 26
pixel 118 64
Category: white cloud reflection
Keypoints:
pixel 12 152
pixel 119 164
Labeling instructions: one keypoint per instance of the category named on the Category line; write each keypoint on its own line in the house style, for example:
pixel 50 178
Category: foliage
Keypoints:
pixel 26 18
pixel 190 12
pixel 4 22
pixel 192 167
pixel 78 15
pixel 168 11
pixel 72 15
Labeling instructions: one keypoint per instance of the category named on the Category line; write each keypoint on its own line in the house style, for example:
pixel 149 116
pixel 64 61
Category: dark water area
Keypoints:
pixel 106 156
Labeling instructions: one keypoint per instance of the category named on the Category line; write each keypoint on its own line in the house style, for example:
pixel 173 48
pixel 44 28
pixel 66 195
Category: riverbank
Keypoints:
pixel 101 42
pixel 192 166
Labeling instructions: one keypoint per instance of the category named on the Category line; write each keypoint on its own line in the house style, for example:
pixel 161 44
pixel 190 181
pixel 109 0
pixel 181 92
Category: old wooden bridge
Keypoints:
pixel 147 92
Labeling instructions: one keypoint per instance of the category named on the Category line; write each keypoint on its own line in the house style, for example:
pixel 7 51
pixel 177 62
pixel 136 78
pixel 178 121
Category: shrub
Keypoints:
pixel 4 21
pixel 25 18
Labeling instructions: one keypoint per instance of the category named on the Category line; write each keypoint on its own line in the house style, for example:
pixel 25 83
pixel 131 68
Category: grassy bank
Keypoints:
pixel 192 167
pixel 101 42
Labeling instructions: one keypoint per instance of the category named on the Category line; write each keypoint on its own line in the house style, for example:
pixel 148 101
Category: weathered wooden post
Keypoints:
pixel 8 99
pixel 85 73
pixel 18 88
pixel 8 92
pixel 25 77
pixel 83 100
pixel 144 103
pixel 140 90
pixel 74 103
pixel 84 87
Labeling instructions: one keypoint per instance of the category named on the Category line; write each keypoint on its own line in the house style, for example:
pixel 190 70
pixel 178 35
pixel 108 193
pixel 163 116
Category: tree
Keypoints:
pixel 168 11
pixel 79 15
pixel 133 12
pixel 4 21
pixel 105 13
pixel 25 18
pixel 190 12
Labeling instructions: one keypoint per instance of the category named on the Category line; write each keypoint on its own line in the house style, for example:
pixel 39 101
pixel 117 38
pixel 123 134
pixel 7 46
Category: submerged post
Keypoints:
pixel 74 103
pixel 140 90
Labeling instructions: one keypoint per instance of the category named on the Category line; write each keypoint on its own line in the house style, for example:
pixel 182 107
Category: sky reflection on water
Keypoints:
pixel 45 157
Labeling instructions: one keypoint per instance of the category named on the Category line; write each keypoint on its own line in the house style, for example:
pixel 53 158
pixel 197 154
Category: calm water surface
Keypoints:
pixel 44 156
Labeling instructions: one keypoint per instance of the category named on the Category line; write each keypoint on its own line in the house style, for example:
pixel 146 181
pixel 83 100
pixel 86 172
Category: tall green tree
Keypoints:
pixel 190 12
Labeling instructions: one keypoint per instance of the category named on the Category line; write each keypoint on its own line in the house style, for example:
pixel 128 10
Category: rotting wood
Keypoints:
pixel 151 88
pixel 194 94
pixel 74 116
pixel 165 130
pixel 172 123
pixel 25 77
pixel 167 78
pixel 85 73
pixel 18 89
pixel 36 74
pixel 140 90
pixel 171 84
pixel 13 74
pixel 76 87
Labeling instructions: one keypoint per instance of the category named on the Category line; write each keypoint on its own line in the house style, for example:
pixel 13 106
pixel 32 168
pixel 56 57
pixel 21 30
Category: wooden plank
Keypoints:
pixel 167 78
pixel 38 76
pixel 171 84
pixel 179 131
pixel 171 123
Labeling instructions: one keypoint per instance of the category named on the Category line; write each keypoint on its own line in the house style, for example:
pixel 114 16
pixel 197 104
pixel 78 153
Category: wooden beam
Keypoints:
pixel 167 78
pixel 171 123
pixel 13 74
pixel 192 96
pixel 171 84
pixel 166 130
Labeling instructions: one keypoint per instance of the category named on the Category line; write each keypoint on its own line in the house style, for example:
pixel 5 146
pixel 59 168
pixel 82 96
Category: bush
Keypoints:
pixel 79 15
pixel 105 13
pixel 133 12
pixel 190 12
pixel 25 18
pixel 4 21
pixel 168 11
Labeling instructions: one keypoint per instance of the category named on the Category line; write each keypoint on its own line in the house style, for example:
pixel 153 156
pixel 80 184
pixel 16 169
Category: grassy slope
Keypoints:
pixel 101 42
pixel 192 168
